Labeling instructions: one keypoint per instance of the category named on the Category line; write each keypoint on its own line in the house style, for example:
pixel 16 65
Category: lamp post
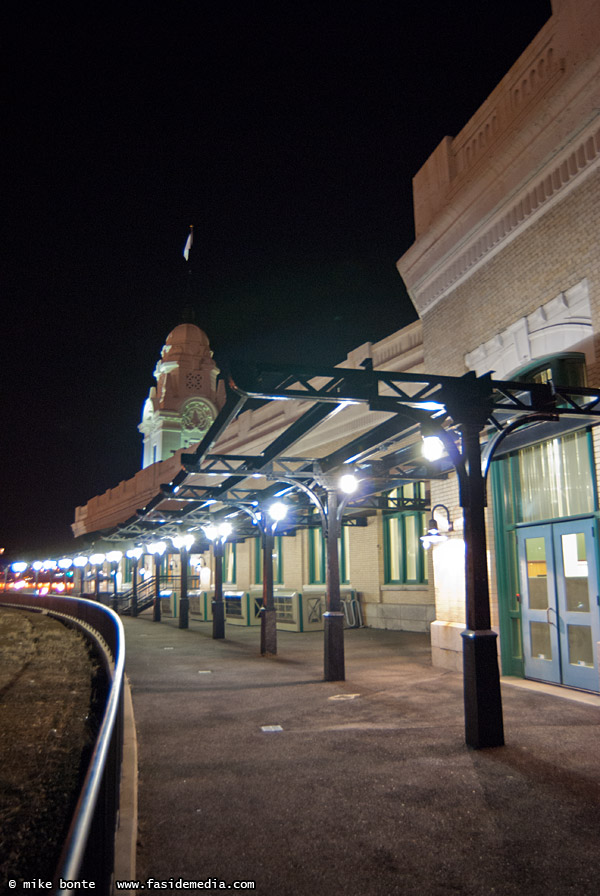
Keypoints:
pixel 18 567
pixel 134 554
pixel 114 558
pixel 97 560
pixel 81 563
pixel 268 615
pixel 218 534
pixel 469 404
pixel 157 548
pixel 331 511
pixel 65 563
pixel 36 568
pixel 183 544
pixel 50 568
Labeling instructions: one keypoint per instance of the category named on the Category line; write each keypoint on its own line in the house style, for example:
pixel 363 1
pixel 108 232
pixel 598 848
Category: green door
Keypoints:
pixel 560 613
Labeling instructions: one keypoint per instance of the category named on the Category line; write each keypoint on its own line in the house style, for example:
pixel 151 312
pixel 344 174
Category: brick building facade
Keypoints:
pixel 505 275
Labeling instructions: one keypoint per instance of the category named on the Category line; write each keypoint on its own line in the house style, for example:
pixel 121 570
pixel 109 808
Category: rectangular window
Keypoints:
pixel 277 561
pixel 550 480
pixel 403 550
pixel 317 556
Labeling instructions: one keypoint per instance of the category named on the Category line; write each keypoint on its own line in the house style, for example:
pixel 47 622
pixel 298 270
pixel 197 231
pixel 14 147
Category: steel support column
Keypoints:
pixel 481 678
pixel 334 666
pixel 184 602
pixel 218 607
pixel 268 621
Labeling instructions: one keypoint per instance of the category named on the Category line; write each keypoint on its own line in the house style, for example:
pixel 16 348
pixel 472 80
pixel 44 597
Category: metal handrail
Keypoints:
pixel 88 852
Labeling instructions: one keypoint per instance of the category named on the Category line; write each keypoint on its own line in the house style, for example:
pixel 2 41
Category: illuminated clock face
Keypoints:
pixel 196 415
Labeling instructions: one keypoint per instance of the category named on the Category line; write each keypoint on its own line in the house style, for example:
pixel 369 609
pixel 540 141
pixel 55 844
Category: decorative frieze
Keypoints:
pixel 555 181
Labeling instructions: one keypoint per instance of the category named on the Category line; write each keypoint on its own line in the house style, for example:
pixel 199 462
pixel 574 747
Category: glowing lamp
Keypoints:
pixel 278 511
pixel 433 448
pixel 348 483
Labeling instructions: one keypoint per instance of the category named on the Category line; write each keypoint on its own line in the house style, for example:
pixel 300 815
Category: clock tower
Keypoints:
pixel 186 398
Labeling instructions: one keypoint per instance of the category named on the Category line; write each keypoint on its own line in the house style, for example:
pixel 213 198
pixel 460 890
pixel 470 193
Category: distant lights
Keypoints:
pixel 114 556
pixel 135 553
pixel 221 530
pixel 183 542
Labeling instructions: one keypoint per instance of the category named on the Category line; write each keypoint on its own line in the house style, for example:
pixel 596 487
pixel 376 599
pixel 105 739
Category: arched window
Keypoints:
pixel 562 370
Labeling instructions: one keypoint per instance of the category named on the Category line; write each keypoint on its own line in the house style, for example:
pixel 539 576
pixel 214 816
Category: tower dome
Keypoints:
pixel 185 339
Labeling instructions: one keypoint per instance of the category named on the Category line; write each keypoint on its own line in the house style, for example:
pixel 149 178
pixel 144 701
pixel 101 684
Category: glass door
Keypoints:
pixel 560 615
pixel 538 604
pixel 578 610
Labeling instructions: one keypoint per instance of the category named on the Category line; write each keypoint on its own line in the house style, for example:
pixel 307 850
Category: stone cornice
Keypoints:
pixel 552 183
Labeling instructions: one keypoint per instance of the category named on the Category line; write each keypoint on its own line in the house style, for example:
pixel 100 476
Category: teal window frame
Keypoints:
pixel 316 556
pixel 317 573
pixel 277 564
pixel 397 525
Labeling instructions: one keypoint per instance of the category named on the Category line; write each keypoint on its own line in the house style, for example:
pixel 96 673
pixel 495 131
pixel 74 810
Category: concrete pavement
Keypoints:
pixel 254 769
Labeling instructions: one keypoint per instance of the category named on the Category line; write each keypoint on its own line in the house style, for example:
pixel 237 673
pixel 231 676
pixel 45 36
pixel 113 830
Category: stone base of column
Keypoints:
pixel 484 725
pixel 218 610
pixel 334 647
pixel 268 631
pixel 156 610
pixel 184 612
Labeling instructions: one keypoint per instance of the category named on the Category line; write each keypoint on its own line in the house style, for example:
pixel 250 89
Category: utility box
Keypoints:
pixel 241 608
pixel 201 604
pixel 294 612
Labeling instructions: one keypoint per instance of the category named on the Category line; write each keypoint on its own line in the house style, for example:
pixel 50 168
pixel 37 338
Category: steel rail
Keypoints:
pixel 88 851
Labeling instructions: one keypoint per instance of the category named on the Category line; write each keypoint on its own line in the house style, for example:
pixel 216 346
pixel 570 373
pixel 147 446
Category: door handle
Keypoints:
pixel 548 611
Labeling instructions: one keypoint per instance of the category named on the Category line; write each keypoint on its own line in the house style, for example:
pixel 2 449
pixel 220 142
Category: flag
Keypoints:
pixel 188 243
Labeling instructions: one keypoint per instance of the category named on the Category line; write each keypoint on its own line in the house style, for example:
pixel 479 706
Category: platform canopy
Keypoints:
pixel 368 422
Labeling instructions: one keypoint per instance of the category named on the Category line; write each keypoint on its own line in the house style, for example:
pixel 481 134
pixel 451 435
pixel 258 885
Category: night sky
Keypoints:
pixel 287 134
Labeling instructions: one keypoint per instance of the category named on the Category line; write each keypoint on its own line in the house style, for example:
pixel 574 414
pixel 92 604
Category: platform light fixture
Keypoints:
pixel 348 483
pixel 434 535
pixel 278 511
pixel 433 448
